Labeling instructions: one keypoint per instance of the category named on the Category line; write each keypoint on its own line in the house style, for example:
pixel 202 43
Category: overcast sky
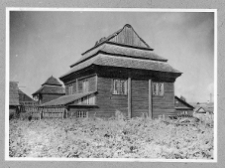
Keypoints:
pixel 47 43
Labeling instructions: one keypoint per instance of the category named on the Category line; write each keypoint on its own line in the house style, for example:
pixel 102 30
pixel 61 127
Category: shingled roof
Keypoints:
pixel 124 62
pixel 118 50
pixel 52 81
pixel 13 94
pixel 50 86
pixel 123 49
pixel 67 99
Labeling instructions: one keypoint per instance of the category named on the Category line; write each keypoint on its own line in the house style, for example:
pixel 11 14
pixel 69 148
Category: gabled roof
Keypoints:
pixel 204 109
pixel 52 81
pixel 67 99
pixel 50 90
pixel 181 104
pixel 124 62
pixel 13 93
pixel 24 97
pixel 120 35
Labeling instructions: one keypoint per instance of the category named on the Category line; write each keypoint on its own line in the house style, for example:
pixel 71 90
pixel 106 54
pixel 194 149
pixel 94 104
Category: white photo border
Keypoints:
pixel 9 9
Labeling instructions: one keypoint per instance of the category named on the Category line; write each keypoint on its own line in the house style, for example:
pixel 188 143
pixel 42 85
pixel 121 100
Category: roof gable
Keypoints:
pixel 52 81
pixel 201 110
pixel 126 36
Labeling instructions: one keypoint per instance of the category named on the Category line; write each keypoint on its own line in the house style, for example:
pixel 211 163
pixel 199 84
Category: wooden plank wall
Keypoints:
pixel 107 102
pixel 78 87
pixel 180 112
pixel 53 112
pixel 128 37
pixel 140 97
pixel 164 105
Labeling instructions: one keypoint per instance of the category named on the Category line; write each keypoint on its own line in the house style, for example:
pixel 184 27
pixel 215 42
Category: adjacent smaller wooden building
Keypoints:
pixel 13 97
pixel 50 89
pixel 183 108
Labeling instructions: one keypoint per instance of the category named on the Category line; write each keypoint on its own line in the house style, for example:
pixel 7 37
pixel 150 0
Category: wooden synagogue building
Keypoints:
pixel 119 73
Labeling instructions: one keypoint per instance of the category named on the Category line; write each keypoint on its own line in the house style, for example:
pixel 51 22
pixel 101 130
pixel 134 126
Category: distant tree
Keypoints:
pixel 183 98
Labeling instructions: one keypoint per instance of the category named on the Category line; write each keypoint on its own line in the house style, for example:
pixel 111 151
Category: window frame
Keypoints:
pixel 158 89
pixel 119 87
pixel 81 114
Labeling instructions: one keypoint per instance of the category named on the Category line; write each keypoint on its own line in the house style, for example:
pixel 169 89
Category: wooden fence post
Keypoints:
pixel 129 98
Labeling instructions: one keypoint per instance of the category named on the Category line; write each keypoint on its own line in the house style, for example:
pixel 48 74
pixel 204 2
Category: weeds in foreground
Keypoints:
pixel 98 138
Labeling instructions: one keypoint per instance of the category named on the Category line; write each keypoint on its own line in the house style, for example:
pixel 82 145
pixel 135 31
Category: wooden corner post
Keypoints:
pixel 150 113
pixel 129 97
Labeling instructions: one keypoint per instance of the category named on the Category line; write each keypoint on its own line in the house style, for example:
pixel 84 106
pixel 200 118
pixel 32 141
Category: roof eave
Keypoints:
pixel 66 75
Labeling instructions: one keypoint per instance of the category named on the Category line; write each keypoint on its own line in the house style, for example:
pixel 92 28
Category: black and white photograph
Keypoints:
pixel 111 85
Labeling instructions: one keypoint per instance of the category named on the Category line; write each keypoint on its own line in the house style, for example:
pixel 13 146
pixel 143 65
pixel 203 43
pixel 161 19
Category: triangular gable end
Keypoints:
pixel 179 103
pixel 201 110
pixel 128 36
pixel 125 36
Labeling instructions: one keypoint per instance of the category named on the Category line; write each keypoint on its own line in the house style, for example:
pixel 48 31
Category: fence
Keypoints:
pixel 35 111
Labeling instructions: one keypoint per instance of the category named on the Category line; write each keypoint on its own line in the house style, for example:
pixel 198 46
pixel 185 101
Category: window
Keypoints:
pixel 81 114
pixel 120 87
pixel 85 86
pixel 158 89
pixel 87 100
pixel 71 88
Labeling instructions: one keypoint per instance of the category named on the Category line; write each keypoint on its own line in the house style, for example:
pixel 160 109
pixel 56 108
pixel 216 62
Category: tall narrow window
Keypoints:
pixel 85 85
pixel 120 87
pixel 70 89
pixel 158 89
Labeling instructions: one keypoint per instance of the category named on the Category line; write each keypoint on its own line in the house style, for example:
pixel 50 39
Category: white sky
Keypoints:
pixel 47 43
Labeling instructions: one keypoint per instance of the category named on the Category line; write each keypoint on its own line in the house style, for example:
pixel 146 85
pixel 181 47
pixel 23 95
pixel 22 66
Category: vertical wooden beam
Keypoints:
pixel 150 113
pixel 96 82
pixel 129 97
pixel 77 91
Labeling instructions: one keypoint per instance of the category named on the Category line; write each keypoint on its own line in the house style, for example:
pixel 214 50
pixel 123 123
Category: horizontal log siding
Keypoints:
pixel 107 102
pixel 78 88
pixel 181 112
pixel 164 105
pixel 139 97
